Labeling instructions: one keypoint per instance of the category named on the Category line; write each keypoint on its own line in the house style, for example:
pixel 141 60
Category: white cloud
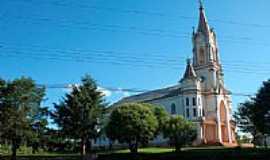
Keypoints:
pixel 106 92
pixel 69 87
pixel 123 93
pixel 126 94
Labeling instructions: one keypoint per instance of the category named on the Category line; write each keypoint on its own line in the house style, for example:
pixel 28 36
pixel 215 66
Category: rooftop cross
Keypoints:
pixel 201 4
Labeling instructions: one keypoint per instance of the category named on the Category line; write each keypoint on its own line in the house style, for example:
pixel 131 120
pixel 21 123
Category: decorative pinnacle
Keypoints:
pixel 188 61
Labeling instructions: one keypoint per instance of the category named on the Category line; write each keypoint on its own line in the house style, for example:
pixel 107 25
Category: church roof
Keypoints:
pixel 152 95
pixel 189 73
pixel 203 26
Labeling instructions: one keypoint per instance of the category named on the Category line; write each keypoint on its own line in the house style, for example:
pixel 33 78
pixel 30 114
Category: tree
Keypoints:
pixel 78 115
pixel 180 132
pixel 19 103
pixel 39 129
pixel 132 123
pixel 262 103
pixel 253 116
pixel 161 115
pixel 245 117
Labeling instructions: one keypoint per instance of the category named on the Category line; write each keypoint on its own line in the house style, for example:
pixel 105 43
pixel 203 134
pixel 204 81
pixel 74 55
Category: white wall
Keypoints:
pixel 167 102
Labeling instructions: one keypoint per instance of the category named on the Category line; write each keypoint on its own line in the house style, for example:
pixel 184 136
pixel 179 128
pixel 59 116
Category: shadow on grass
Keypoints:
pixel 205 154
pixel 196 154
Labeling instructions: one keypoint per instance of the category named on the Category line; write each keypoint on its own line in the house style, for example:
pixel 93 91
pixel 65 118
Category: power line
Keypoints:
pixel 117 54
pixel 114 89
pixel 130 29
pixel 146 13
pixel 84 25
pixel 109 60
pixel 147 57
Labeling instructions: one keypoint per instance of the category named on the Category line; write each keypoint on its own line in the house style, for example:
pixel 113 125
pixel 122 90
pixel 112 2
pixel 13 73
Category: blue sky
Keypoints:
pixel 129 43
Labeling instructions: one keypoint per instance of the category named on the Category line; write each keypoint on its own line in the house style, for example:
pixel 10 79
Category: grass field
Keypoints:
pixel 155 153
pixel 148 150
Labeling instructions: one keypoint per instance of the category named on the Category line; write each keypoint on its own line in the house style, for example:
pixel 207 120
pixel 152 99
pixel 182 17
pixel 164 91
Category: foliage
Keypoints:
pixel 39 128
pixel 79 114
pixel 19 106
pixel 262 103
pixel 180 132
pixel 22 150
pixel 161 115
pixel 132 123
pixel 253 116
pixel 246 117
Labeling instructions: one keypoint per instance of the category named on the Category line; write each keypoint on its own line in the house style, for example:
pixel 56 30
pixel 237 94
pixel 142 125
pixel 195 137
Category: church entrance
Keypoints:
pixel 223 122
pixel 210 133
pixel 224 133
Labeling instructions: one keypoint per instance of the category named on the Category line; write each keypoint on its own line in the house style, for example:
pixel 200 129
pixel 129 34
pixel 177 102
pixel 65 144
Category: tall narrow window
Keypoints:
pixel 187 112
pixel 187 101
pixel 173 109
pixel 195 112
pixel 214 54
pixel 194 101
pixel 201 56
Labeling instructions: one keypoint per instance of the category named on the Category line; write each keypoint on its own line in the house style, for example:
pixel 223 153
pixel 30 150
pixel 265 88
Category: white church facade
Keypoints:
pixel 200 95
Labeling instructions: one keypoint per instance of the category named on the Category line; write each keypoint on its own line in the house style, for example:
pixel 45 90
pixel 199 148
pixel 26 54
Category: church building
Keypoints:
pixel 200 95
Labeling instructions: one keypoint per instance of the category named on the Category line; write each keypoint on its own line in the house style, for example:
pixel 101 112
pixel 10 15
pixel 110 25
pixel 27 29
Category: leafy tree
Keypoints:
pixel 78 115
pixel 19 103
pixel 262 103
pixel 132 123
pixel 245 117
pixel 161 115
pixel 180 132
pixel 253 116
pixel 39 129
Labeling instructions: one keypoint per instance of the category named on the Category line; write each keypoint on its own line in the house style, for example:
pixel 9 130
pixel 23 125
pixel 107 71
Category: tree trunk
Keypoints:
pixel 265 141
pixel 133 147
pixel 14 149
pixel 177 148
pixel 136 147
pixel 83 147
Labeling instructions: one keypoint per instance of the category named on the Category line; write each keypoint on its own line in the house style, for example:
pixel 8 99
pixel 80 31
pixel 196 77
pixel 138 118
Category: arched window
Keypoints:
pixel 187 112
pixel 214 54
pixel 173 109
pixel 195 112
pixel 201 56
pixel 194 101
pixel 187 101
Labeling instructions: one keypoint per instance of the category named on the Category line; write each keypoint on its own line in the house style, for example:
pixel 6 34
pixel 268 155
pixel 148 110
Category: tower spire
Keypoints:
pixel 201 4
pixel 203 24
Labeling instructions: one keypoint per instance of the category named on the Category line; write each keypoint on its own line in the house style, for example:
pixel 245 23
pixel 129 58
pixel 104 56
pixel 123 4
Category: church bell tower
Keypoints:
pixel 206 60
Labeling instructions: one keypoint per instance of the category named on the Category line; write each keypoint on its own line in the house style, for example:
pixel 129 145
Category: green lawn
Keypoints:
pixel 156 153
pixel 148 150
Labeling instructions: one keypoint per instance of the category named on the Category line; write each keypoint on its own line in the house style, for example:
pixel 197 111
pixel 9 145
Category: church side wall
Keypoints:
pixel 167 103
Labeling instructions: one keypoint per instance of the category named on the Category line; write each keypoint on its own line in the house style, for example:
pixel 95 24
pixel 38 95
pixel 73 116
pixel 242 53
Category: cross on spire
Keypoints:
pixel 201 4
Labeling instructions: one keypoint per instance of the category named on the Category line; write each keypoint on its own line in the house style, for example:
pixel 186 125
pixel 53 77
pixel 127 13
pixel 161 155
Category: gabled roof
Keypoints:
pixel 152 95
